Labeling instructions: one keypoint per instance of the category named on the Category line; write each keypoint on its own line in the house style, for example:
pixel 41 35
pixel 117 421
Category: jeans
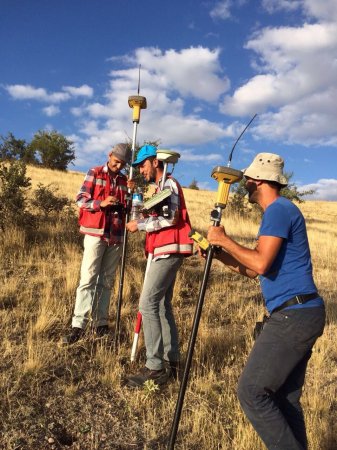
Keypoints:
pixel 99 264
pixel 271 383
pixel 160 330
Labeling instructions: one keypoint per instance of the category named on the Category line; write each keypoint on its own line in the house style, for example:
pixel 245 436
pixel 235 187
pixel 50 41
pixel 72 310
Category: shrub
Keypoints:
pixel 13 201
pixel 45 200
pixel 194 185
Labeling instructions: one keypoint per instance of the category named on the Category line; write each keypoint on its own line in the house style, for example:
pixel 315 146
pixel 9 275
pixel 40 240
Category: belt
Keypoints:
pixel 297 300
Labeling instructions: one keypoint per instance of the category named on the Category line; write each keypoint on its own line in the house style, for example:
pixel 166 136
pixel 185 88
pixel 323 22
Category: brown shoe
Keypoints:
pixel 173 368
pixel 102 331
pixel 73 336
pixel 159 377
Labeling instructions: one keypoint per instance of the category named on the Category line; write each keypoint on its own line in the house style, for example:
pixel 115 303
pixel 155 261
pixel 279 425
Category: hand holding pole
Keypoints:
pixel 225 176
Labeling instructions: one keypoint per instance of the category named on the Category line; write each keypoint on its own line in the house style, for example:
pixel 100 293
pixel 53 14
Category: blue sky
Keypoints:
pixel 206 68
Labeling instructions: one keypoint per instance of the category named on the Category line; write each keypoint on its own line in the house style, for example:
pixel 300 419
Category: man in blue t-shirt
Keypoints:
pixel 270 385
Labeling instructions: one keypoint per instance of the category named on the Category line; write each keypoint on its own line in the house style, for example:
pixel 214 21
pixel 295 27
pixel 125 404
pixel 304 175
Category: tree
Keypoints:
pixel 137 177
pixel 237 202
pixel 12 148
pixel 291 191
pixel 54 150
pixel 194 185
pixel 13 186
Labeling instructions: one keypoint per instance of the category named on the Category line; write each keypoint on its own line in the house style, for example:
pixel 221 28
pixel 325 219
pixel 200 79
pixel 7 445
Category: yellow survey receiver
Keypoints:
pixel 199 239
pixel 137 102
pixel 225 176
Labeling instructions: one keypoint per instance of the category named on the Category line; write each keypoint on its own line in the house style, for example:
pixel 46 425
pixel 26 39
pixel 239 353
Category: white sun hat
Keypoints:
pixel 268 167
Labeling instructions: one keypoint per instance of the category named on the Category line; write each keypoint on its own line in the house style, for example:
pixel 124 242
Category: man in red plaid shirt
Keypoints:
pixel 102 202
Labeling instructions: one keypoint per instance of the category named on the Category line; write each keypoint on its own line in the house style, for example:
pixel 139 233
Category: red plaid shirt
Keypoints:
pixel 93 191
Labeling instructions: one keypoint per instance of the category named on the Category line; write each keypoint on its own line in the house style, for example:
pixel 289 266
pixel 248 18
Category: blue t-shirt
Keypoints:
pixel 291 271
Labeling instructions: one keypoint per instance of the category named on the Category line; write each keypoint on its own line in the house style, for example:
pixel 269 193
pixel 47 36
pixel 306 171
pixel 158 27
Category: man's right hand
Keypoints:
pixel 108 201
pixel 216 235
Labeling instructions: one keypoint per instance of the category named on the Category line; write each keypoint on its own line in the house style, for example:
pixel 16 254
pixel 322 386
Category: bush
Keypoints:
pixel 194 185
pixel 45 200
pixel 13 188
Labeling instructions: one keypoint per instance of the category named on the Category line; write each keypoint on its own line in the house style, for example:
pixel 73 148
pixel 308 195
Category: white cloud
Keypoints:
pixel 295 90
pixel 51 110
pixel 84 90
pixel 326 10
pixel 23 92
pixel 169 116
pixel 310 121
pixel 28 92
pixel 325 189
pixel 76 111
pixel 191 156
pixel 203 185
pixel 165 89
pixel 221 10
pixel 277 5
pixel 99 110
pixel 199 73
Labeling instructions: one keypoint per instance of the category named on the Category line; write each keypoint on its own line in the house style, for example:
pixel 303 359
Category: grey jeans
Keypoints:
pixel 160 330
pixel 271 383
pixel 99 264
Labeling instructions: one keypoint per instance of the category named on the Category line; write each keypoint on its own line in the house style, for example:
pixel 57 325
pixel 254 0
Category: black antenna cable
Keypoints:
pixel 231 153
pixel 139 78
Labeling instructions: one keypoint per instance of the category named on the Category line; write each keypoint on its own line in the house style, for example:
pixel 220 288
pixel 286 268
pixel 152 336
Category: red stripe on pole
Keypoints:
pixel 138 322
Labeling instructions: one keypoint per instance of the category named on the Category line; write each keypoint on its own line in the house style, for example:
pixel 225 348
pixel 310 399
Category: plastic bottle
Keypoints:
pixel 137 205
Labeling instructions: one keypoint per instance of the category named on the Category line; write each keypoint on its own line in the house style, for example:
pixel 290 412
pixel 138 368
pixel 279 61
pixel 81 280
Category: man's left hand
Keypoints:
pixel 132 226
pixel 131 184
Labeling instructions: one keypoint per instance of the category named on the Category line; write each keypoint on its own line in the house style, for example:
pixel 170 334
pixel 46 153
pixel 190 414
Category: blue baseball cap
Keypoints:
pixel 147 151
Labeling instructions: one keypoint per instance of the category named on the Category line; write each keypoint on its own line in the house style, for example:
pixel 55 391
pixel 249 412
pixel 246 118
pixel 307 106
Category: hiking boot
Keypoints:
pixel 73 336
pixel 172 368
pixel 159 377
pixel 102 331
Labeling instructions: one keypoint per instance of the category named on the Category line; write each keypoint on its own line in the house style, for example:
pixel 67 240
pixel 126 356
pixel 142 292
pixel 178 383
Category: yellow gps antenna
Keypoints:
pixel 225 176
pixel 137 103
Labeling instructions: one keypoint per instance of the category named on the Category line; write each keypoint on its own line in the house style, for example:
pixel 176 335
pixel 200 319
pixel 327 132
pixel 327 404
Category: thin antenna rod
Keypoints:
pixel 139 79
pixel 231 153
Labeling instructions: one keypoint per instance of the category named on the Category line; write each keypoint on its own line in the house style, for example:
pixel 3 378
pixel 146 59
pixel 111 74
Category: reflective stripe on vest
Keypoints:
pixel 92 231
pixel 173 248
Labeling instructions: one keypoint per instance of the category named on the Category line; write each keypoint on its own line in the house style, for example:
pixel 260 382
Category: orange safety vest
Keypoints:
pixel 172 239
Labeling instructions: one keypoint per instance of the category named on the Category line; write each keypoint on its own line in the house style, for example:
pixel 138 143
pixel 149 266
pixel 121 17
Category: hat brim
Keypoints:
pixel 277 178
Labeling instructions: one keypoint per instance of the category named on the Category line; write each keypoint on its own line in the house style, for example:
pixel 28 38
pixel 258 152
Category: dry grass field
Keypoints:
pixel 57 398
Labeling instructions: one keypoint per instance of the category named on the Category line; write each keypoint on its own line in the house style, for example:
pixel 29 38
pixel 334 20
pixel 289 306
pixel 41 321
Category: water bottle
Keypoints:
pixel 137 205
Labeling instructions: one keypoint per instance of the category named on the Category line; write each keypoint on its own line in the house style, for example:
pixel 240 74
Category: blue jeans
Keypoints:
pixel 99 264
pixel 271 383
pixel 160 330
